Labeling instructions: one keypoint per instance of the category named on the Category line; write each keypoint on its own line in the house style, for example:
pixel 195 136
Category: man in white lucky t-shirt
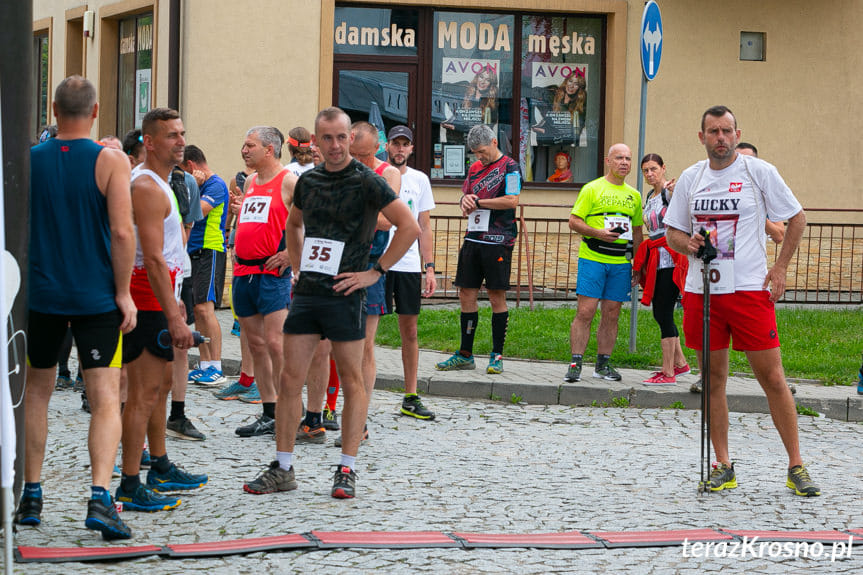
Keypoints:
pixel 729 196
pixel 404 279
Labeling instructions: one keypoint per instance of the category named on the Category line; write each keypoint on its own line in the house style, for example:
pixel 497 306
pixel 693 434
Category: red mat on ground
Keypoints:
pixel 794 535
pixel 237 546
pixel 566 540
pixel 62 554
pixel 657 538
pixel 383 539
pixel 856 532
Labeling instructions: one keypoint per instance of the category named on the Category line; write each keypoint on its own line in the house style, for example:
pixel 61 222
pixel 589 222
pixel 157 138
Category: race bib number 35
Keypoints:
pixel 255 209
pixel 322 256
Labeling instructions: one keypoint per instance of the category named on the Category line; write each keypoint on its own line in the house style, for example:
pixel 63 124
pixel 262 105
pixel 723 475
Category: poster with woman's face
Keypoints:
pixel 475 84
pixel 558 117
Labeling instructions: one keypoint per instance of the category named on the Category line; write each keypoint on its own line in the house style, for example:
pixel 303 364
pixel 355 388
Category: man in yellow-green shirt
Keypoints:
pixel 607 213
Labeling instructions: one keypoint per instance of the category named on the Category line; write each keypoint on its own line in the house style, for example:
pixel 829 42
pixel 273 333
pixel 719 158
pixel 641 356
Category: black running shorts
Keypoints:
pixel 337 318
pixel 404 292
pixel 478 261
pixel 97 337
pixel 146 336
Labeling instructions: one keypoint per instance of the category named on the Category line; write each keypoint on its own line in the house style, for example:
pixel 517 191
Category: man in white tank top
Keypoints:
pixel 156 282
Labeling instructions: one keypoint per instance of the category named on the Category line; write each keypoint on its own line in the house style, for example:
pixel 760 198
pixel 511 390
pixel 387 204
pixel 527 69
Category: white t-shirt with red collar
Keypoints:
pixel 732 204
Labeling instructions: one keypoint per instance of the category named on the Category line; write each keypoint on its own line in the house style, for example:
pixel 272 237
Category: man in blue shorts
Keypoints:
pixel 607 213
pixel 80 279
pixel 329 230
pixel 262 269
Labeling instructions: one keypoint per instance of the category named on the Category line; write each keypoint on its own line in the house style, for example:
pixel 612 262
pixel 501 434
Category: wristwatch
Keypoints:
pixel 379 268
pixel 430 265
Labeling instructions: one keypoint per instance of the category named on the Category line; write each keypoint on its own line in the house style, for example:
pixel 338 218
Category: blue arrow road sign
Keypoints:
pixel 651 39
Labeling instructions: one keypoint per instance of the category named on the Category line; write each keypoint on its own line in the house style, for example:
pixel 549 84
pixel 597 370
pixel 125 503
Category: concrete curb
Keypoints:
pixel 541 383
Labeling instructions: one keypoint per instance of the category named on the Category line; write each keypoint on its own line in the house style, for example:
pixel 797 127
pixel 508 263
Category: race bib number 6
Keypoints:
pixel 322 256
pixel 255 209
pixel 477 221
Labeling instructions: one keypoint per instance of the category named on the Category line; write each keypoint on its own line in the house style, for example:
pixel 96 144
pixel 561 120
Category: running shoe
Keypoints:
pixel 145 499
pixel 235 330
pixel 252 395
pixel 495 364
pixel 182 428
pixel 175 479
pixel 338 442
pixel 695 387
pixel 145 459
pixel 195 375
pixel 573 374
pixel 211 376
pixel 659 378
pixel 344 483
pixel 29 511
pixel 231 391
pixel 800 482
pixel 273 479
pixel 330 420
pixel 606 372
pixel 860 382
pixel 306 434
pixel 682 370
pixel 264 425
pixel 105 519
pixel 412 405
pixel 79 383
pixel 722 477
pixel 63 383
pixel 116 472
pixel 456 361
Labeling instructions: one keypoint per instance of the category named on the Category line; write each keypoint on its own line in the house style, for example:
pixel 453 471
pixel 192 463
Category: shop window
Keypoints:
pixel 135 71
pixel 471 84
pixel 537 80
pixel 561 89
pixel 42 81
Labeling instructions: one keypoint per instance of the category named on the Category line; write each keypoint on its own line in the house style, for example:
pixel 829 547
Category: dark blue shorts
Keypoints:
pixel 337 318
pixel 261 293
pixel 376 296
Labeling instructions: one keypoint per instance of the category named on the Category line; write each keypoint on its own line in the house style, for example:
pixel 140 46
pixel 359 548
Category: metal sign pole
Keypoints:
pixel 633 301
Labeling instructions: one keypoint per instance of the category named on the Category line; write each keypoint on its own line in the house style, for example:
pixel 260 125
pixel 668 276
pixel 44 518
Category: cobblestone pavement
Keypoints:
pixel 491 467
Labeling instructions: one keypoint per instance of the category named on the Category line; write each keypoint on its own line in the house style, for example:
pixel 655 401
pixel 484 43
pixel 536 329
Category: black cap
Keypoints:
pixel 401 132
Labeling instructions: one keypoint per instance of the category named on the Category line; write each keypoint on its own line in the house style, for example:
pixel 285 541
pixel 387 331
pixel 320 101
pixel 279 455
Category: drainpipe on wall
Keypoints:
pixel 174 55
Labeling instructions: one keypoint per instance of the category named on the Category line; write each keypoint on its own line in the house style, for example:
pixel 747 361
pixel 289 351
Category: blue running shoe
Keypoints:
pixel 175 479
pixel 195 375
pixel 252 394
pixel 860 381
pixel 231 391
pixel 145 499
pixel 29 511
pixel 236 329
pixel 105 519
pixel 116 472
pixel 211 376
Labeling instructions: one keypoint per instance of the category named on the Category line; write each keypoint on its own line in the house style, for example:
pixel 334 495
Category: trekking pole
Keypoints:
pixel 707 253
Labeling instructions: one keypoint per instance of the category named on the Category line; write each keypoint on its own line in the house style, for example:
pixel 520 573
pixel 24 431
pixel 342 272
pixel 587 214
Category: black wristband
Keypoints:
pixel 429 265
pixel 379 268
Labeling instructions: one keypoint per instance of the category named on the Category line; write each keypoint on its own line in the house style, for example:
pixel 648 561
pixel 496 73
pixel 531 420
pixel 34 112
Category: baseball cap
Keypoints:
pixel 401 132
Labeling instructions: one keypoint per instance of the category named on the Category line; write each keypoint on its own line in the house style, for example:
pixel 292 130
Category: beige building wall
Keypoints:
pixel 243 67
pixel 798 106
pixel 273 65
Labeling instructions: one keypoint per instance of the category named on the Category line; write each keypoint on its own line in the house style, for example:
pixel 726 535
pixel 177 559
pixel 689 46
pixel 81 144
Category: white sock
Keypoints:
pixel 205 365
pixel 348 461
pixel 217 365
pixel 286 459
